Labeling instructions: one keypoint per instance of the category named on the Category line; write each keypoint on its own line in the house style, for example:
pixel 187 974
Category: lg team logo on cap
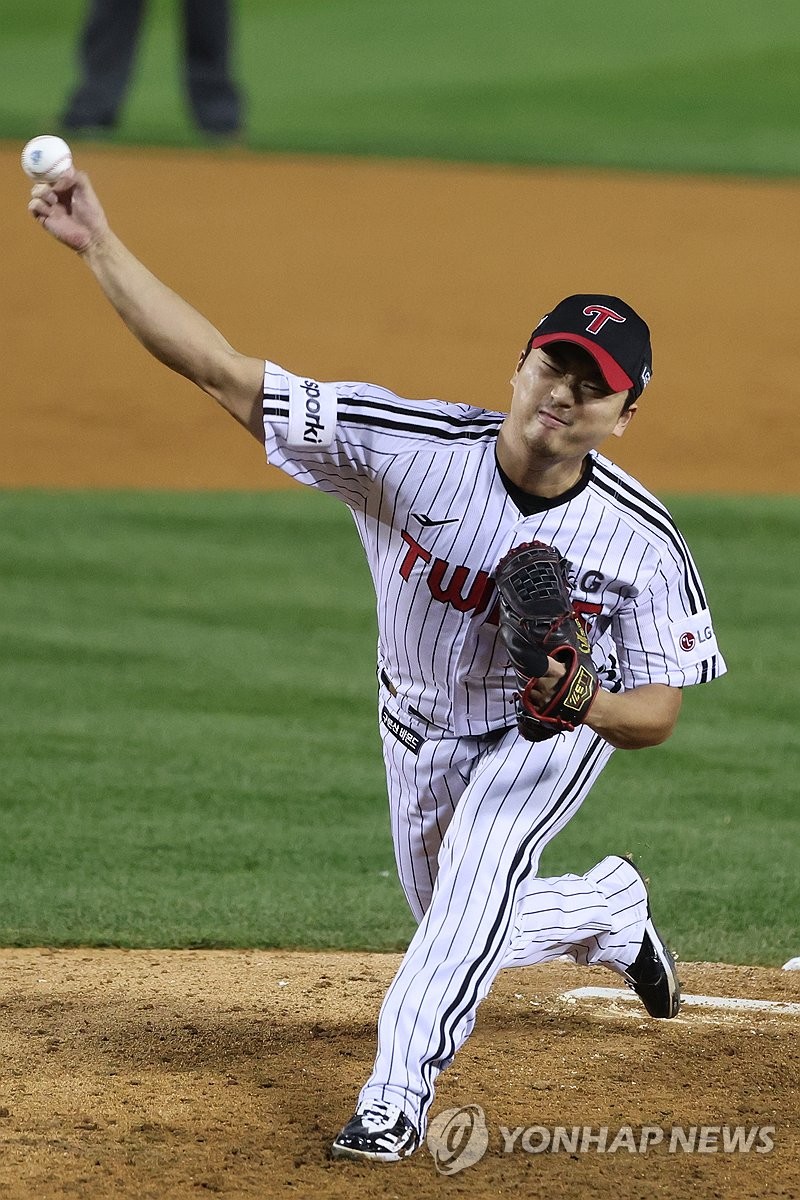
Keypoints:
pixel 602 316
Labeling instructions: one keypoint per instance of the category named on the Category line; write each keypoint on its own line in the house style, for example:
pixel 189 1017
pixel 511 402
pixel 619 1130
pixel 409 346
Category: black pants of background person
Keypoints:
pixel 107 49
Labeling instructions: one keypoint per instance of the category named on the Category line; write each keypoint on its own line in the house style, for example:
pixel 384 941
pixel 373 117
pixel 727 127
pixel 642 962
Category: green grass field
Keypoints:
pixel 678 86
pixel 190 755
pixel 189 752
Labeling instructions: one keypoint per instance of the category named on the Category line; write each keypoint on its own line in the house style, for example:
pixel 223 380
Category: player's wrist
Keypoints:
pixel 600 712
pixel 101 246
pixel 607 719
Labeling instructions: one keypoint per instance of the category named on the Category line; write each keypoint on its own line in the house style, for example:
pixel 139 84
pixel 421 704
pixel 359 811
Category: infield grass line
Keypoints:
pixel 676 87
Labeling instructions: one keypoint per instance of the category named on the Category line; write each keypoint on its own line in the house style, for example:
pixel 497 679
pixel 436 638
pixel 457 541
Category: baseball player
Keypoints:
pixel 491 743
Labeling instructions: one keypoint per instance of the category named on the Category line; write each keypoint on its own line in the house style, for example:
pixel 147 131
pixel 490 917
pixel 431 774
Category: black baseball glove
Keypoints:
pixel 537 622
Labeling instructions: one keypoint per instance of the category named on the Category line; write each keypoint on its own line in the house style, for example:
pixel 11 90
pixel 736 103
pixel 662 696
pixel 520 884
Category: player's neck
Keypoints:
pixel 542 476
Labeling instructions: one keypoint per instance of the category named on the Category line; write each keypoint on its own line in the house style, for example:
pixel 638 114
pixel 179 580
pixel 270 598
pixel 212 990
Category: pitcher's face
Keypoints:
pixel 561 405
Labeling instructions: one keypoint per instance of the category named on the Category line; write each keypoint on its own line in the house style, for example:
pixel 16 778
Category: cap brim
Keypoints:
pixel 612 372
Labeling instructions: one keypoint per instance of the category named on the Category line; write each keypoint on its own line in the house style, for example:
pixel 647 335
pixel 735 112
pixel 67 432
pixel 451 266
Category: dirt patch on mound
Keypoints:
pixel 169 1074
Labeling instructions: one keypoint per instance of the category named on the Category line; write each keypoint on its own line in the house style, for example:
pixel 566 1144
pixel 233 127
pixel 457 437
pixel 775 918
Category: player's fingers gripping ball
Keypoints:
pixel 46 158
pixel 537 622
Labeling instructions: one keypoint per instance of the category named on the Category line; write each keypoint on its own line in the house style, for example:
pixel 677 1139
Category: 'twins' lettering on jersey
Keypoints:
pixel 471 592
pixel 471 599
pixel 434 517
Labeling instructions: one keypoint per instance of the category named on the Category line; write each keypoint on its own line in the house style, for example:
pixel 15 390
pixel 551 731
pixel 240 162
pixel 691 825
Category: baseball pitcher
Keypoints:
pixel 537 609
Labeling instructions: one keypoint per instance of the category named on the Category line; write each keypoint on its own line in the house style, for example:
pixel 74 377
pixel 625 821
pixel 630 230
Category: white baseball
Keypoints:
pixel 46 158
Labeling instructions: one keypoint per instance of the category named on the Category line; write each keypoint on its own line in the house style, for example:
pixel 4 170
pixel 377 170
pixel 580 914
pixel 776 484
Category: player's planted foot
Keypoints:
pixel 380 1133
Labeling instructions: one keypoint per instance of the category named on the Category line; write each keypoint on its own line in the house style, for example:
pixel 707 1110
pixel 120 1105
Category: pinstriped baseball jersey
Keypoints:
pixel 435 515
pixel 472 803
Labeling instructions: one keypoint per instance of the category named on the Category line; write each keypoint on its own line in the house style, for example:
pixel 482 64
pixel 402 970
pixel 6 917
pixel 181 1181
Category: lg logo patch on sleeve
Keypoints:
pixel 694 639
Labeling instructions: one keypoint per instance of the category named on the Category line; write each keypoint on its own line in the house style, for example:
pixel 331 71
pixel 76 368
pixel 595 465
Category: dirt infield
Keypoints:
pixel 424 277
pixel 142 1074
pixel 146 1074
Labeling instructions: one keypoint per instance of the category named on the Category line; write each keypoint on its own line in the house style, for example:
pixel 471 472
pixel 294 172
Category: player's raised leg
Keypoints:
pixel 614 895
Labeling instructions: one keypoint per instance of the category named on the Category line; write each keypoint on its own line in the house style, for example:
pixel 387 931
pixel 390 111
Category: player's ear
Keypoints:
pixel 624 419
pixel 518 368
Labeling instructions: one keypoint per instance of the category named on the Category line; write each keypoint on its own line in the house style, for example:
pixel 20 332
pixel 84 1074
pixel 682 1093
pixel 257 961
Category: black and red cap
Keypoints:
pixel 613 333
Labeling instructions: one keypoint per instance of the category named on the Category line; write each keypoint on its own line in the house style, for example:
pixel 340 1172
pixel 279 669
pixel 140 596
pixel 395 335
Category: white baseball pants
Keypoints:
pixel 470 818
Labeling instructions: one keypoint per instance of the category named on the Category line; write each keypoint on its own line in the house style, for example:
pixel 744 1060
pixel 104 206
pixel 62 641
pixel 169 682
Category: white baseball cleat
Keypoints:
pixel 380 1132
